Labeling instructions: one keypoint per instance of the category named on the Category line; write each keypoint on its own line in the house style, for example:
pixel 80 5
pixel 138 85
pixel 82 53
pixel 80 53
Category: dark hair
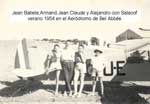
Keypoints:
pixel 56 45
pixel 66 42
pixel 97 50
pixel 81 45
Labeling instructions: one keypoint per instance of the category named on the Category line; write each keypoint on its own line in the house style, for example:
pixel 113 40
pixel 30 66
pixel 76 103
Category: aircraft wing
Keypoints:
pixel 29 60
pixel 25 73
pixel 133 45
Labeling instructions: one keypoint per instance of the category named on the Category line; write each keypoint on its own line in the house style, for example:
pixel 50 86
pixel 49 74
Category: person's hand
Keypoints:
pixel 46 72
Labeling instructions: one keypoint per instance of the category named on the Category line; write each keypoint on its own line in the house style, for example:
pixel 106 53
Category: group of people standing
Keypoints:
pixel 74 66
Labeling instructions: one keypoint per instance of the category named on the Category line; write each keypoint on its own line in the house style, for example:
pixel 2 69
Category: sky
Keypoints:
pixel 68 30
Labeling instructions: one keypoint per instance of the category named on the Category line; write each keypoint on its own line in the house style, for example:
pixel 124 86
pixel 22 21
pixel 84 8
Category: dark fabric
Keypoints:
pixel 49 59
pixel 53 58
pixel 68 68
pixel 78 58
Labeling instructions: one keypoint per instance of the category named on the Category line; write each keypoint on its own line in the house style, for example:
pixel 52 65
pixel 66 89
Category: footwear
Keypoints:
pixel 65 94
pixel 103 98
pixel 79 95
pixel 74 95
pixel 70 93
pixel 56 93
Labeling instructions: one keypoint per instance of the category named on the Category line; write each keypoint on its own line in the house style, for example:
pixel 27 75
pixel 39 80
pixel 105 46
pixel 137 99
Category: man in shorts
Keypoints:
pixel 98 63
pixel 80 70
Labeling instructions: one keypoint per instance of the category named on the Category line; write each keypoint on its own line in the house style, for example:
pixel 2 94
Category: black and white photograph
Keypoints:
pixel 74 52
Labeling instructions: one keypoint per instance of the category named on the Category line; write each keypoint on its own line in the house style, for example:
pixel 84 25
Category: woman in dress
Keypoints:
pixel 54 64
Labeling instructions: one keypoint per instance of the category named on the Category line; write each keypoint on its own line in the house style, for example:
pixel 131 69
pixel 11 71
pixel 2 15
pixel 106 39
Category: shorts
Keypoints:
pixel 81 68
pixel 97 73
pixel 55 66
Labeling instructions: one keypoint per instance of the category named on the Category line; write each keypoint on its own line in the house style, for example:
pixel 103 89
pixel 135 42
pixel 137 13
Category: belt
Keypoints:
pixel 67 60
pixel 80 62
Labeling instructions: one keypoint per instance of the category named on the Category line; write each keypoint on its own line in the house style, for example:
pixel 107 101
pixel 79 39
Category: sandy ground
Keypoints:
pixel 15 91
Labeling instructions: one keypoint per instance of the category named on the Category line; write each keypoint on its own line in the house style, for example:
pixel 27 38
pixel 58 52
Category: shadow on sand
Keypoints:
pixel 19 87
pixel 114 92
pixel 117 94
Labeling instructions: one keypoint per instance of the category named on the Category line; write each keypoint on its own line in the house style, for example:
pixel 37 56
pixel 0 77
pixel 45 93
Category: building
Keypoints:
pixel 127 35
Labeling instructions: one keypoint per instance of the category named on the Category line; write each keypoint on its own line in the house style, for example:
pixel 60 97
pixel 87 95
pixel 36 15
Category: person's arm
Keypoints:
pixel 48 60
pixel 49 56
pixel 82 56
pixel 61 57
pixel 104 61
pixel 75 57
pixel 72 56
pixel 46 63
pixel 91 61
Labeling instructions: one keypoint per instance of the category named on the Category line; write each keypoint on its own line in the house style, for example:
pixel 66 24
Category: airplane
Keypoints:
pixel 29 60
pixel 23 67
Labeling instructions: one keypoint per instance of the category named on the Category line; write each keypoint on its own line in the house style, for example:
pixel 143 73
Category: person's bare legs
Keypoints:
pixel 102 85
pixel 76 77
pixel 81 84
pixel 94 86
pixel 57 81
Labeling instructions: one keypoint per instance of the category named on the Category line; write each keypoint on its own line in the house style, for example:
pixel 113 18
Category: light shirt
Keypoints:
pixel 98 62
pixel 68 54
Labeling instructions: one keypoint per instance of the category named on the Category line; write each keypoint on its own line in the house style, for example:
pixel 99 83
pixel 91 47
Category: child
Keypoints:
pixel 80 70
pixel 54 59
pixel 98 62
